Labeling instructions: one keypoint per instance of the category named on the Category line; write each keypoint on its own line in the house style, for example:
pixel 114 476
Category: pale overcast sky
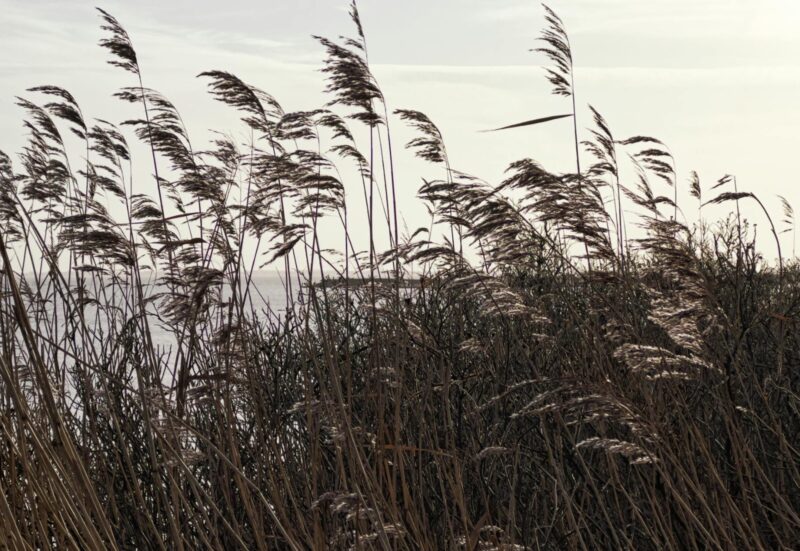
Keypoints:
pixel 717 80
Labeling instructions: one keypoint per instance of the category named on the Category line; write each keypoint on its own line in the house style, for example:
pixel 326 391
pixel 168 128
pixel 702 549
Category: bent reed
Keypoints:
pixel 519 374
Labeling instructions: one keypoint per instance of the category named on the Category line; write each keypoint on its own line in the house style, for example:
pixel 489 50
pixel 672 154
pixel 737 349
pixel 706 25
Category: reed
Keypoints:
pixel 487 389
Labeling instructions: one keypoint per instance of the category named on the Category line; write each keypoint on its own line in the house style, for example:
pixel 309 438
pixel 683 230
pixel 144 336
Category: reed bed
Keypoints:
pixel 519 374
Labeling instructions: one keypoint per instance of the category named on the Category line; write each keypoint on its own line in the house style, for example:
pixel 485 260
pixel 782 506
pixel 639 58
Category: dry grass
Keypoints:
pixel 641 394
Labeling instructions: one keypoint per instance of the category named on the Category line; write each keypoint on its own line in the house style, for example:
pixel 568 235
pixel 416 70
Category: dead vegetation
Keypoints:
pixel 549 382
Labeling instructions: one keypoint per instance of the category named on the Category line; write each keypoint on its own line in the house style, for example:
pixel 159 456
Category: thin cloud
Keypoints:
pixel 653 17
pixel 742 74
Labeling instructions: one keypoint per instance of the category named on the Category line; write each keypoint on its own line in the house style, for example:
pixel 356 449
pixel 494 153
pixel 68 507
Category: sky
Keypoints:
pixel 717 80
